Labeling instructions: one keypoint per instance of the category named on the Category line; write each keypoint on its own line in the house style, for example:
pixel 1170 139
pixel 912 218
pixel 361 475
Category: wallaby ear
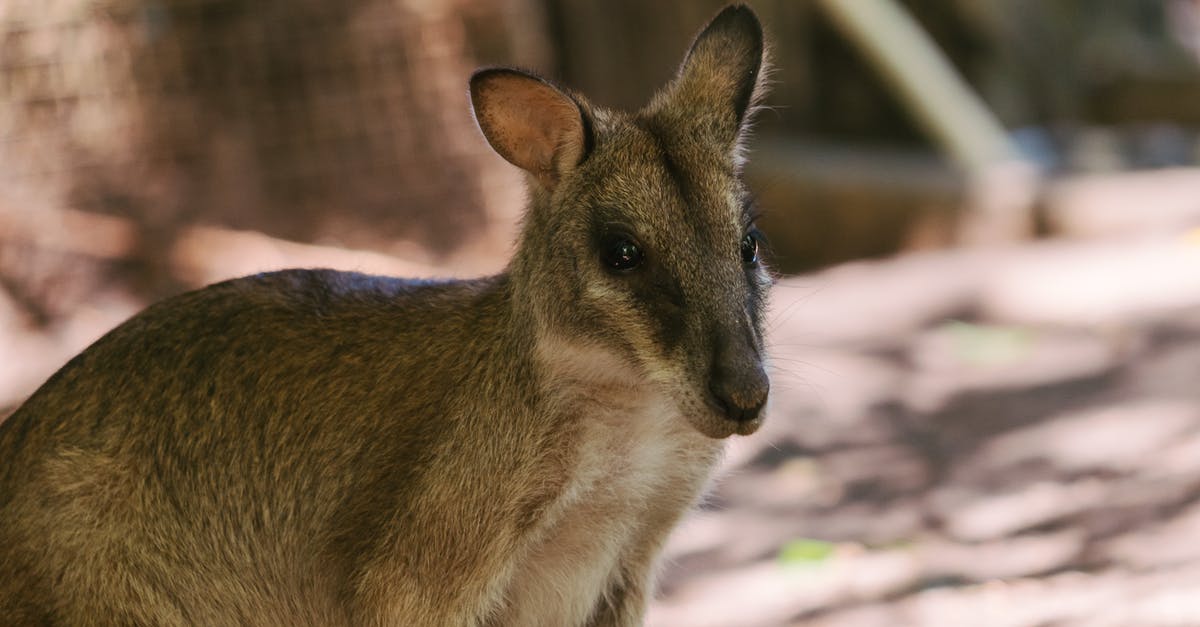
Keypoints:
pixel 721 78
pixel 531 123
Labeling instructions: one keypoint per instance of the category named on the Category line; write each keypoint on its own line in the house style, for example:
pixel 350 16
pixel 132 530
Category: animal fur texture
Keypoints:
pixel 311 447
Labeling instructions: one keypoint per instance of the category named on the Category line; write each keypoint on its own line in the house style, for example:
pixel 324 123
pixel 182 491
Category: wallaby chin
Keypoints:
pixel 719 428
pixel 320 447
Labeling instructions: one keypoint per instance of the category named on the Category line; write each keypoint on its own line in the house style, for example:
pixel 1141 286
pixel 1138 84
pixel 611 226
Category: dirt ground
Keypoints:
pixel 986 438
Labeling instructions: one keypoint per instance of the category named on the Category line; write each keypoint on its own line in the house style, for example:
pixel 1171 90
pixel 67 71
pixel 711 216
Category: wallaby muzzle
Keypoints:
pixel 738 383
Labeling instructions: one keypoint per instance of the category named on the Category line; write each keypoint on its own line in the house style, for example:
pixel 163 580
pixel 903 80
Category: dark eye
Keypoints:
pixel 750 249
pixel 620 253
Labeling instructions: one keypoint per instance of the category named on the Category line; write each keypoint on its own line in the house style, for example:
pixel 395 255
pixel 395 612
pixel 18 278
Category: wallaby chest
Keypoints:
pixel 636 467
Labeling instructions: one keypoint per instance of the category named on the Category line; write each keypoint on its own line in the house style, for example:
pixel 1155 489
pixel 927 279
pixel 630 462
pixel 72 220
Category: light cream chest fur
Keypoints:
pixel 636 468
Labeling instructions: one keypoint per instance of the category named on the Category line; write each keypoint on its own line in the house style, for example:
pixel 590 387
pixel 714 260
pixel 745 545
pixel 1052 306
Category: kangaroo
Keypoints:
pixel 311 447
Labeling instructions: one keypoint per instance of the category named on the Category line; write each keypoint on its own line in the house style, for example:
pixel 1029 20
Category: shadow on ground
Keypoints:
pixel 942 452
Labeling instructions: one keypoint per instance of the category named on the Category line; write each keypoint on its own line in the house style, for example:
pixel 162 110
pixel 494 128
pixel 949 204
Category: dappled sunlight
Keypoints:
pixel 1121 437
pixel 957 358
pixel 1002 558
pixel 975 515
pixel 770 591
pixel 867 302
pixel 1097 283
pixel 1158 544
pixel 1010 433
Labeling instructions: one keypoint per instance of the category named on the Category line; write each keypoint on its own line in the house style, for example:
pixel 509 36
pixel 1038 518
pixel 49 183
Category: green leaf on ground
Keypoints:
pixel 985 345
pixel 805 551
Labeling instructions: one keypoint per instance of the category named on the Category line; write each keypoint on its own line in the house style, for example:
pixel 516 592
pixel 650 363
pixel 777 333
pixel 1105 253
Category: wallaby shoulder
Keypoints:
pixel 306 329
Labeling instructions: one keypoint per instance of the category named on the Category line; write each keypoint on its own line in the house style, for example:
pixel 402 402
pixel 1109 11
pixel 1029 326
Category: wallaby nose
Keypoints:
pixel 739 392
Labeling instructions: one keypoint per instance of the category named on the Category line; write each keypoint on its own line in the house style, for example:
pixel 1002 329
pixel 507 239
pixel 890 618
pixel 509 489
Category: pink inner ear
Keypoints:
pixel 530 123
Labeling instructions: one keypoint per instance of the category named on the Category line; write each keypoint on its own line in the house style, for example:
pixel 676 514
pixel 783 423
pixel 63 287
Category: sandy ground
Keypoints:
pixel 989 439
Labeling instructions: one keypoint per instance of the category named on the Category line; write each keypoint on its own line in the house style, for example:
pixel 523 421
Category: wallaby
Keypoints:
pixel 310 447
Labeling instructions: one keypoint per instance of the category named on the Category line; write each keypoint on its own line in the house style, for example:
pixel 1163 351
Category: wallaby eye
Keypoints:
pixel 620 253
pixel 750 249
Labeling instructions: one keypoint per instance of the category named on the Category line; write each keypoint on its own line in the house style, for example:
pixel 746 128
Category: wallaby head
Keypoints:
pixel 639 259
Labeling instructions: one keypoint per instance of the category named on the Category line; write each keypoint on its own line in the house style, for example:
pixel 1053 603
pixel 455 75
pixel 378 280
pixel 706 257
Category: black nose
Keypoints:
pixel 740 394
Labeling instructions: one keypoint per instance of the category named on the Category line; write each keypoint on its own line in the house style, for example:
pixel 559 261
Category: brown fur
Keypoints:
pixel 311 447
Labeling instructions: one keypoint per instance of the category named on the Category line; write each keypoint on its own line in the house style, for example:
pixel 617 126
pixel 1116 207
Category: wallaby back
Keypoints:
pixel 311 447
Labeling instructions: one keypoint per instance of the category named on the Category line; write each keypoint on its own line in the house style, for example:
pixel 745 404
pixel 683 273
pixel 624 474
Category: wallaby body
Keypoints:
pixel 311 447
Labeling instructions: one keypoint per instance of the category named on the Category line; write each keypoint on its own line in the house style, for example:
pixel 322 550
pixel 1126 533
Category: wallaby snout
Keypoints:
pixel 739 385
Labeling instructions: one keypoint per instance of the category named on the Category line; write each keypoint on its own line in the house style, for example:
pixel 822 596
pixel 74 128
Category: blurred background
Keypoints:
pixel 985 215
